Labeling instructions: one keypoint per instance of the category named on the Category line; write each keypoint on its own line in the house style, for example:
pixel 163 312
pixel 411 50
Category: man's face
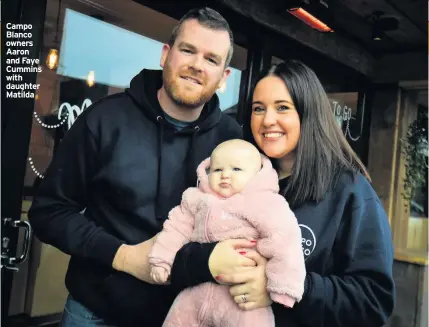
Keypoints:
pixel 194 67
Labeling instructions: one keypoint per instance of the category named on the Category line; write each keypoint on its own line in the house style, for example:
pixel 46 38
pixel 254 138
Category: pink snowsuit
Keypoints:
pixel 257 213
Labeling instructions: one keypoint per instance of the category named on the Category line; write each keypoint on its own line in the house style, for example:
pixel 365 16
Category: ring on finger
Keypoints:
pixel 244 297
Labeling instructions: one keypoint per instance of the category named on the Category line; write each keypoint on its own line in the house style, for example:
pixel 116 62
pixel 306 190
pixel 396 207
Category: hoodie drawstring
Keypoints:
pixel 190 165
pixel 158 214
pixel 191 175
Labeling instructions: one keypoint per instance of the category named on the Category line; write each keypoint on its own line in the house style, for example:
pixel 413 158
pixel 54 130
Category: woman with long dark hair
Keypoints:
pixel 346 237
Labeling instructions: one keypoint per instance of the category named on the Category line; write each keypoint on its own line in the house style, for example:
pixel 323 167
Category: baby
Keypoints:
pixel 237 199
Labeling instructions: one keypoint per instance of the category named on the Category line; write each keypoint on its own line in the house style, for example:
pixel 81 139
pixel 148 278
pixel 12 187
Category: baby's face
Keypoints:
pixel 231 170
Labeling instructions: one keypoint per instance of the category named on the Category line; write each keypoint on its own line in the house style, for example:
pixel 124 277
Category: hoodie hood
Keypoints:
pixel 266 180
pixel 143 91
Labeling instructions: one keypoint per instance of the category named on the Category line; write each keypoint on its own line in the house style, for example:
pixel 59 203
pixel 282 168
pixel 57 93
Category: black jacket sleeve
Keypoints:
pixel 191 266
pixel 361 291
pixel 56 212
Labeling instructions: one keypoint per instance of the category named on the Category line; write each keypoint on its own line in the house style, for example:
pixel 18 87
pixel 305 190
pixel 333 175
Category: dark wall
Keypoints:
pixel 410 293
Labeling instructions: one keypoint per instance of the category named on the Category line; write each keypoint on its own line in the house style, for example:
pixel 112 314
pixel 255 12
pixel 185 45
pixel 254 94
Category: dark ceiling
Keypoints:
pixel 355 19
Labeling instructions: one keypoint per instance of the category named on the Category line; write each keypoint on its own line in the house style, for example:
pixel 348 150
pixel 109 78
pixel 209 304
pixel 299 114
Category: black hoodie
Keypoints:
pixel 115 176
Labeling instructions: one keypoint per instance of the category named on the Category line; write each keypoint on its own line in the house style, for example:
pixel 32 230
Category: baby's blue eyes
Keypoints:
pixel 219 169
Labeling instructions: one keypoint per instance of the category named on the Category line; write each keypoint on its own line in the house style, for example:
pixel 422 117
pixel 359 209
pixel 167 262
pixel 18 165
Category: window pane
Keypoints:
pixel 114 54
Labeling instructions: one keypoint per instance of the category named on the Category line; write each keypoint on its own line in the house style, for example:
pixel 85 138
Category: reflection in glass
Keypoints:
pixel 90 80
pixel 52 59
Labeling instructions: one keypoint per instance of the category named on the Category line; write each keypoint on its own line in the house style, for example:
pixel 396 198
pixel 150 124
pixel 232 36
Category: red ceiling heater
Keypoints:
pixel 312 12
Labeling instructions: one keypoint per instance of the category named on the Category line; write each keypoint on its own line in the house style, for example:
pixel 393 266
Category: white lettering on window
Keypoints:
pixel 73 111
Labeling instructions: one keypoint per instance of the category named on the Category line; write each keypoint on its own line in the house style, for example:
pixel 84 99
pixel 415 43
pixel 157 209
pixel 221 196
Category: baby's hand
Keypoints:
pixel 159 275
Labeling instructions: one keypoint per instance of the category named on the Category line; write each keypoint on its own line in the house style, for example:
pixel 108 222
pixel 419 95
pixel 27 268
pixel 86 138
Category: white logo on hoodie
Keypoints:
pixel 308 240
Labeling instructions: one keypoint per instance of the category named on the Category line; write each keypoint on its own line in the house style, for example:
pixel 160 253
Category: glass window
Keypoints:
pixel 228 95
pixel 344 107
pixel 419 202
pixel 112 53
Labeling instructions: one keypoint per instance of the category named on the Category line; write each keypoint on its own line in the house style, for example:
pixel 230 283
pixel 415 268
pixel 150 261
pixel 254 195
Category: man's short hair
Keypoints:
pixel 209 18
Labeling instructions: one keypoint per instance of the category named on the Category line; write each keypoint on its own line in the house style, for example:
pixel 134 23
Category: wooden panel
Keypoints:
pixel 416 257
pixel 383 143
pixel 418 234
pixel 48 293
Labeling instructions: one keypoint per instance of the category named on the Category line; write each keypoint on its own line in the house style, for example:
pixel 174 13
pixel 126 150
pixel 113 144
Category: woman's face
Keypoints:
pixel 275 123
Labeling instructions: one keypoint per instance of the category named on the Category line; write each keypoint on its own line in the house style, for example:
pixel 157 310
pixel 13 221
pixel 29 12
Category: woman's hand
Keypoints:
pixel 250 289
pixel 230 257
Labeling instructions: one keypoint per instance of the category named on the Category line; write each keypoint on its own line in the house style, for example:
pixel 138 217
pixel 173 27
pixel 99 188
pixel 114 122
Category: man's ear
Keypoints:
pixel 165 50
pixel 226 73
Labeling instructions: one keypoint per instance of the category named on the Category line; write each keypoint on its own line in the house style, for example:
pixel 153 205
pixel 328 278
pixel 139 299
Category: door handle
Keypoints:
pixel 7 261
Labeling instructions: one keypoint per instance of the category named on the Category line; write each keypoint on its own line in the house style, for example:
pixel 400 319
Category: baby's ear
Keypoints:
pixel 208 170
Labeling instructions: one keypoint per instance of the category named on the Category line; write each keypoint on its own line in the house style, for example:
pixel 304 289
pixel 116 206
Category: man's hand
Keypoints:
pixel 133 260
pixel 159 275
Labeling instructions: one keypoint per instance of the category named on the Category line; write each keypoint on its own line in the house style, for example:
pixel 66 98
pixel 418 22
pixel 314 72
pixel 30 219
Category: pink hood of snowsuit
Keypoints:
pixel 266 180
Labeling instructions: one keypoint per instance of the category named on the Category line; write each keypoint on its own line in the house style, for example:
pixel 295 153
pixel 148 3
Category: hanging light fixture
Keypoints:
pixel 53 57
pixel 382 25
pixel 90 79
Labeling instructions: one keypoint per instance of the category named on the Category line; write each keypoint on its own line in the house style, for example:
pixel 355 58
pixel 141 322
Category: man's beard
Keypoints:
pixel 184 98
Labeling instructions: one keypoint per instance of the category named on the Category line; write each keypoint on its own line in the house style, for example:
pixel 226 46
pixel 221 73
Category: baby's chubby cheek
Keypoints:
pixel 212 183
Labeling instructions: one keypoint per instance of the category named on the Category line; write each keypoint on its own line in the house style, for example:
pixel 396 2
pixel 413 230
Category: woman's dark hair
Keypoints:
pixel 323 152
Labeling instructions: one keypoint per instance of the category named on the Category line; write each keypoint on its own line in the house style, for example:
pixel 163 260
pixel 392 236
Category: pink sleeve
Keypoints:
pixel 280 244
pixel 284 299
pixel 177 231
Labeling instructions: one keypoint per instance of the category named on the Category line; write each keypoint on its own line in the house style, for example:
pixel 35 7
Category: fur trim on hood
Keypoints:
pixel 266 180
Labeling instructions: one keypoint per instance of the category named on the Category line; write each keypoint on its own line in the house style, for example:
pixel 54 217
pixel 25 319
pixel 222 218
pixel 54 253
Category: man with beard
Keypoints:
pixel 123 165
